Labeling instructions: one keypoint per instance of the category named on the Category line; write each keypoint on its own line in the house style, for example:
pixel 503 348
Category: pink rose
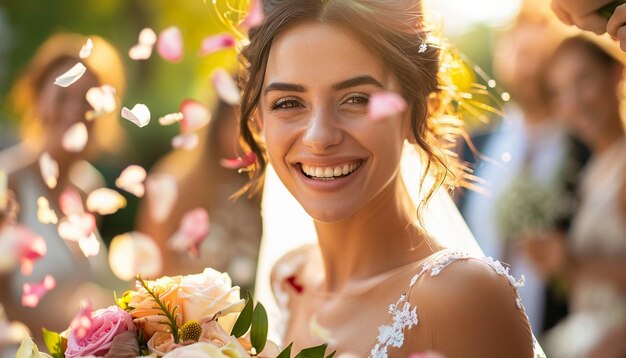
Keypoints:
pixel 106 324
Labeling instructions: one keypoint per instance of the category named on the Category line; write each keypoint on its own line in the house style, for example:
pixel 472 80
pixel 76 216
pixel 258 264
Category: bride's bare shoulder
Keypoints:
pixel 291 264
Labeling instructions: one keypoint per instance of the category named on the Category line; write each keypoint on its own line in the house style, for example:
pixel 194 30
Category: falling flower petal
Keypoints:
pixel 255 16
pixel 171 118
pixel 194 228
pixel 102 99
pixel 45 214
pixel 82 321
pixel 143 49
pixel 105 201
pixel 226 88
pixel 195 116
pixel 185 141
pixel 131 179
pixel 49 170
pixel 33 292
pixel 70 202
pixel 33 248
pixel 70 76
pixel 385 104
pixel 76 226
pixel 240 162
pixel 4 190
pixel 75 138
pixel 85 51
pixel 140 115
pixel 170 44
pixel 162 194
pixel 90 246
pixel 133 254
pixel 216 43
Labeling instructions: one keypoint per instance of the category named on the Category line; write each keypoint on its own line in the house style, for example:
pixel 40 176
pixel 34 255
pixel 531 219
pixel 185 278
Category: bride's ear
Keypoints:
pixel 257 119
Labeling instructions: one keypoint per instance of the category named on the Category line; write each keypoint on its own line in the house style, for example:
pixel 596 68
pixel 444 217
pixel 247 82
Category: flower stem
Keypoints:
pixel 170 315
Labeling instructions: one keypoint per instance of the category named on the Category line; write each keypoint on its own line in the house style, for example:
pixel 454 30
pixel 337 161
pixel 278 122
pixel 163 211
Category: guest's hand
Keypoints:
pixel 547 252
pixel 582 13
pixel 616 26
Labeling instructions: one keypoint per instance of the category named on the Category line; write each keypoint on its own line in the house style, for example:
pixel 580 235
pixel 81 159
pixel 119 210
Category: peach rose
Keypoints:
pixel 145 311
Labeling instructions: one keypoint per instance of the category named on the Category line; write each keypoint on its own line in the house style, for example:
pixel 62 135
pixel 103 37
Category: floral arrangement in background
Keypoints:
pixel 199 315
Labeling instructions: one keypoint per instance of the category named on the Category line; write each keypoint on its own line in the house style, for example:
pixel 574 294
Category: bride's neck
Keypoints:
pixel 379 237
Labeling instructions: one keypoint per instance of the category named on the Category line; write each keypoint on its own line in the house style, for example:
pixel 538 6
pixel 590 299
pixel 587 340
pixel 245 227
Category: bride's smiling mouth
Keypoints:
pixel 329 172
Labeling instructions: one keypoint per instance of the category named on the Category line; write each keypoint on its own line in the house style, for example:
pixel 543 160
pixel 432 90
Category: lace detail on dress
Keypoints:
pixel 393 334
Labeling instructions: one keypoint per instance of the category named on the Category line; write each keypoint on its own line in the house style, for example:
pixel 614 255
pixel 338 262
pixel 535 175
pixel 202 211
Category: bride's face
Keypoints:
pixel 319 139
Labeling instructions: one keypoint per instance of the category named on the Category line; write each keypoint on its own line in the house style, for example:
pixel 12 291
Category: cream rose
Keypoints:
pixel 28 349
pixel 203 350
pixel 210 295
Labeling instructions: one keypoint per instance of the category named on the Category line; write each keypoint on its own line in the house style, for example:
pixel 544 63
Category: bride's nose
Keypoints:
pixel 322 131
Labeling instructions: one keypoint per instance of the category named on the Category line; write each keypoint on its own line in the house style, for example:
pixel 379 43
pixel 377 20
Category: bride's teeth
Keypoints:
pixel 337 172
pixel 329 172
pixel 319 172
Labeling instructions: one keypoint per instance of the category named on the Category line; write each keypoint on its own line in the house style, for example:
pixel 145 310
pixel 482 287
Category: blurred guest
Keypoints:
pixel 47 111
pixel 585 83
pixel 235 225
pixel 526 163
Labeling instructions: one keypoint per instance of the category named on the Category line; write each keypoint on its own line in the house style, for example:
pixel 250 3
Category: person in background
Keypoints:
pixel 585 85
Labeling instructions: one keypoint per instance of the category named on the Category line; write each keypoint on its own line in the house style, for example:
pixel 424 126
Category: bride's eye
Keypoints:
pixel 359 99
pixel 285 104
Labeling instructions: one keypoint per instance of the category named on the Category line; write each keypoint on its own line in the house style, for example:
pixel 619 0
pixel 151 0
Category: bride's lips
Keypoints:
pixel 328 176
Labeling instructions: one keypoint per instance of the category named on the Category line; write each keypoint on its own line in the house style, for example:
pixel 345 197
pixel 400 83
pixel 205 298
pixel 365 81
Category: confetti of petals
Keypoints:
pixel 255 16
pixel 226 88
pixel 185 141
pixel 33 248
pixel 102 99
pixel 385 104
pixel 72 75
pixel 77 227
pixel 194 228
pixel 170 44
pixel 90 246
pixel 33 292
pixel 132 180
pixel 143 49
pixel 85 51
pixel 195 116
pixel 75 138
pixel 162 194
pixel 49 170
pixel 216 43
pixel 82 321
pixel 170 119
pixel 105 201
pixel 133 254
pixel 70 202
pixel 240 162
pixel 45 214
pixel 140 115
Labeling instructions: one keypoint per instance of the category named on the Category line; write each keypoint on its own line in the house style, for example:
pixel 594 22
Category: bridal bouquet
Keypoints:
pixel 198 315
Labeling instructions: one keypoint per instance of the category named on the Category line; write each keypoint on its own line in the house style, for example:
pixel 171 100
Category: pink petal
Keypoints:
pixel 134 253
pixel 194 229
pixel 385 104
pixel 226 87
pixel 33 292
pixel 216 43
pixel 140 115
pixel 49 170
pixel 255 16
pixel 45 215
pixel 77 226
pixel 170 119
pixel 170 44
pixel 102 99
pixel 70 202
pixel 75 138
pixel 105 201
pixel 195 116
pixel 90 246
pixel 82 322
pixel 131 179
pixel 162 194
pixel 85 51
pixel 185 141
pixel 240 162
pixel 143 49
pixel 34 247
pixel 70 76
pixel 4 190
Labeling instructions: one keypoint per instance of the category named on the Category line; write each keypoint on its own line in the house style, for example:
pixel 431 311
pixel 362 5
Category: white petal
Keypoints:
pixel 102 99
pixel 90 246
pixel 162 194
pixel 131 179
pixel 140 115
pixel 76 226
pixel 75 138
pixel 85 51
pixel 226 88
pixel 147 37
pixel 71 202
pixel 49 170
pixel 70 76
pixel 171 118
pixel 105 201
pixel 45 215
pixel 195 116
pixel 185 141
pixel 143 49
pixel 133 254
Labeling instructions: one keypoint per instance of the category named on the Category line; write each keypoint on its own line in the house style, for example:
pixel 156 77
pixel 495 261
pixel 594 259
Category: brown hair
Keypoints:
pixel 394 31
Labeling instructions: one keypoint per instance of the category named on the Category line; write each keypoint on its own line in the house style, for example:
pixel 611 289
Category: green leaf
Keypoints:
pixel 286 353
pixel 258 332
pixel 245 319
pixel 314 352
pixel 331 355
pixel 54 342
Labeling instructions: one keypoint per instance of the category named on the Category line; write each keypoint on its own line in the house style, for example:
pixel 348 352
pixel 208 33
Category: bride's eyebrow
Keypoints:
pixel 358 81
pixel 282 86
